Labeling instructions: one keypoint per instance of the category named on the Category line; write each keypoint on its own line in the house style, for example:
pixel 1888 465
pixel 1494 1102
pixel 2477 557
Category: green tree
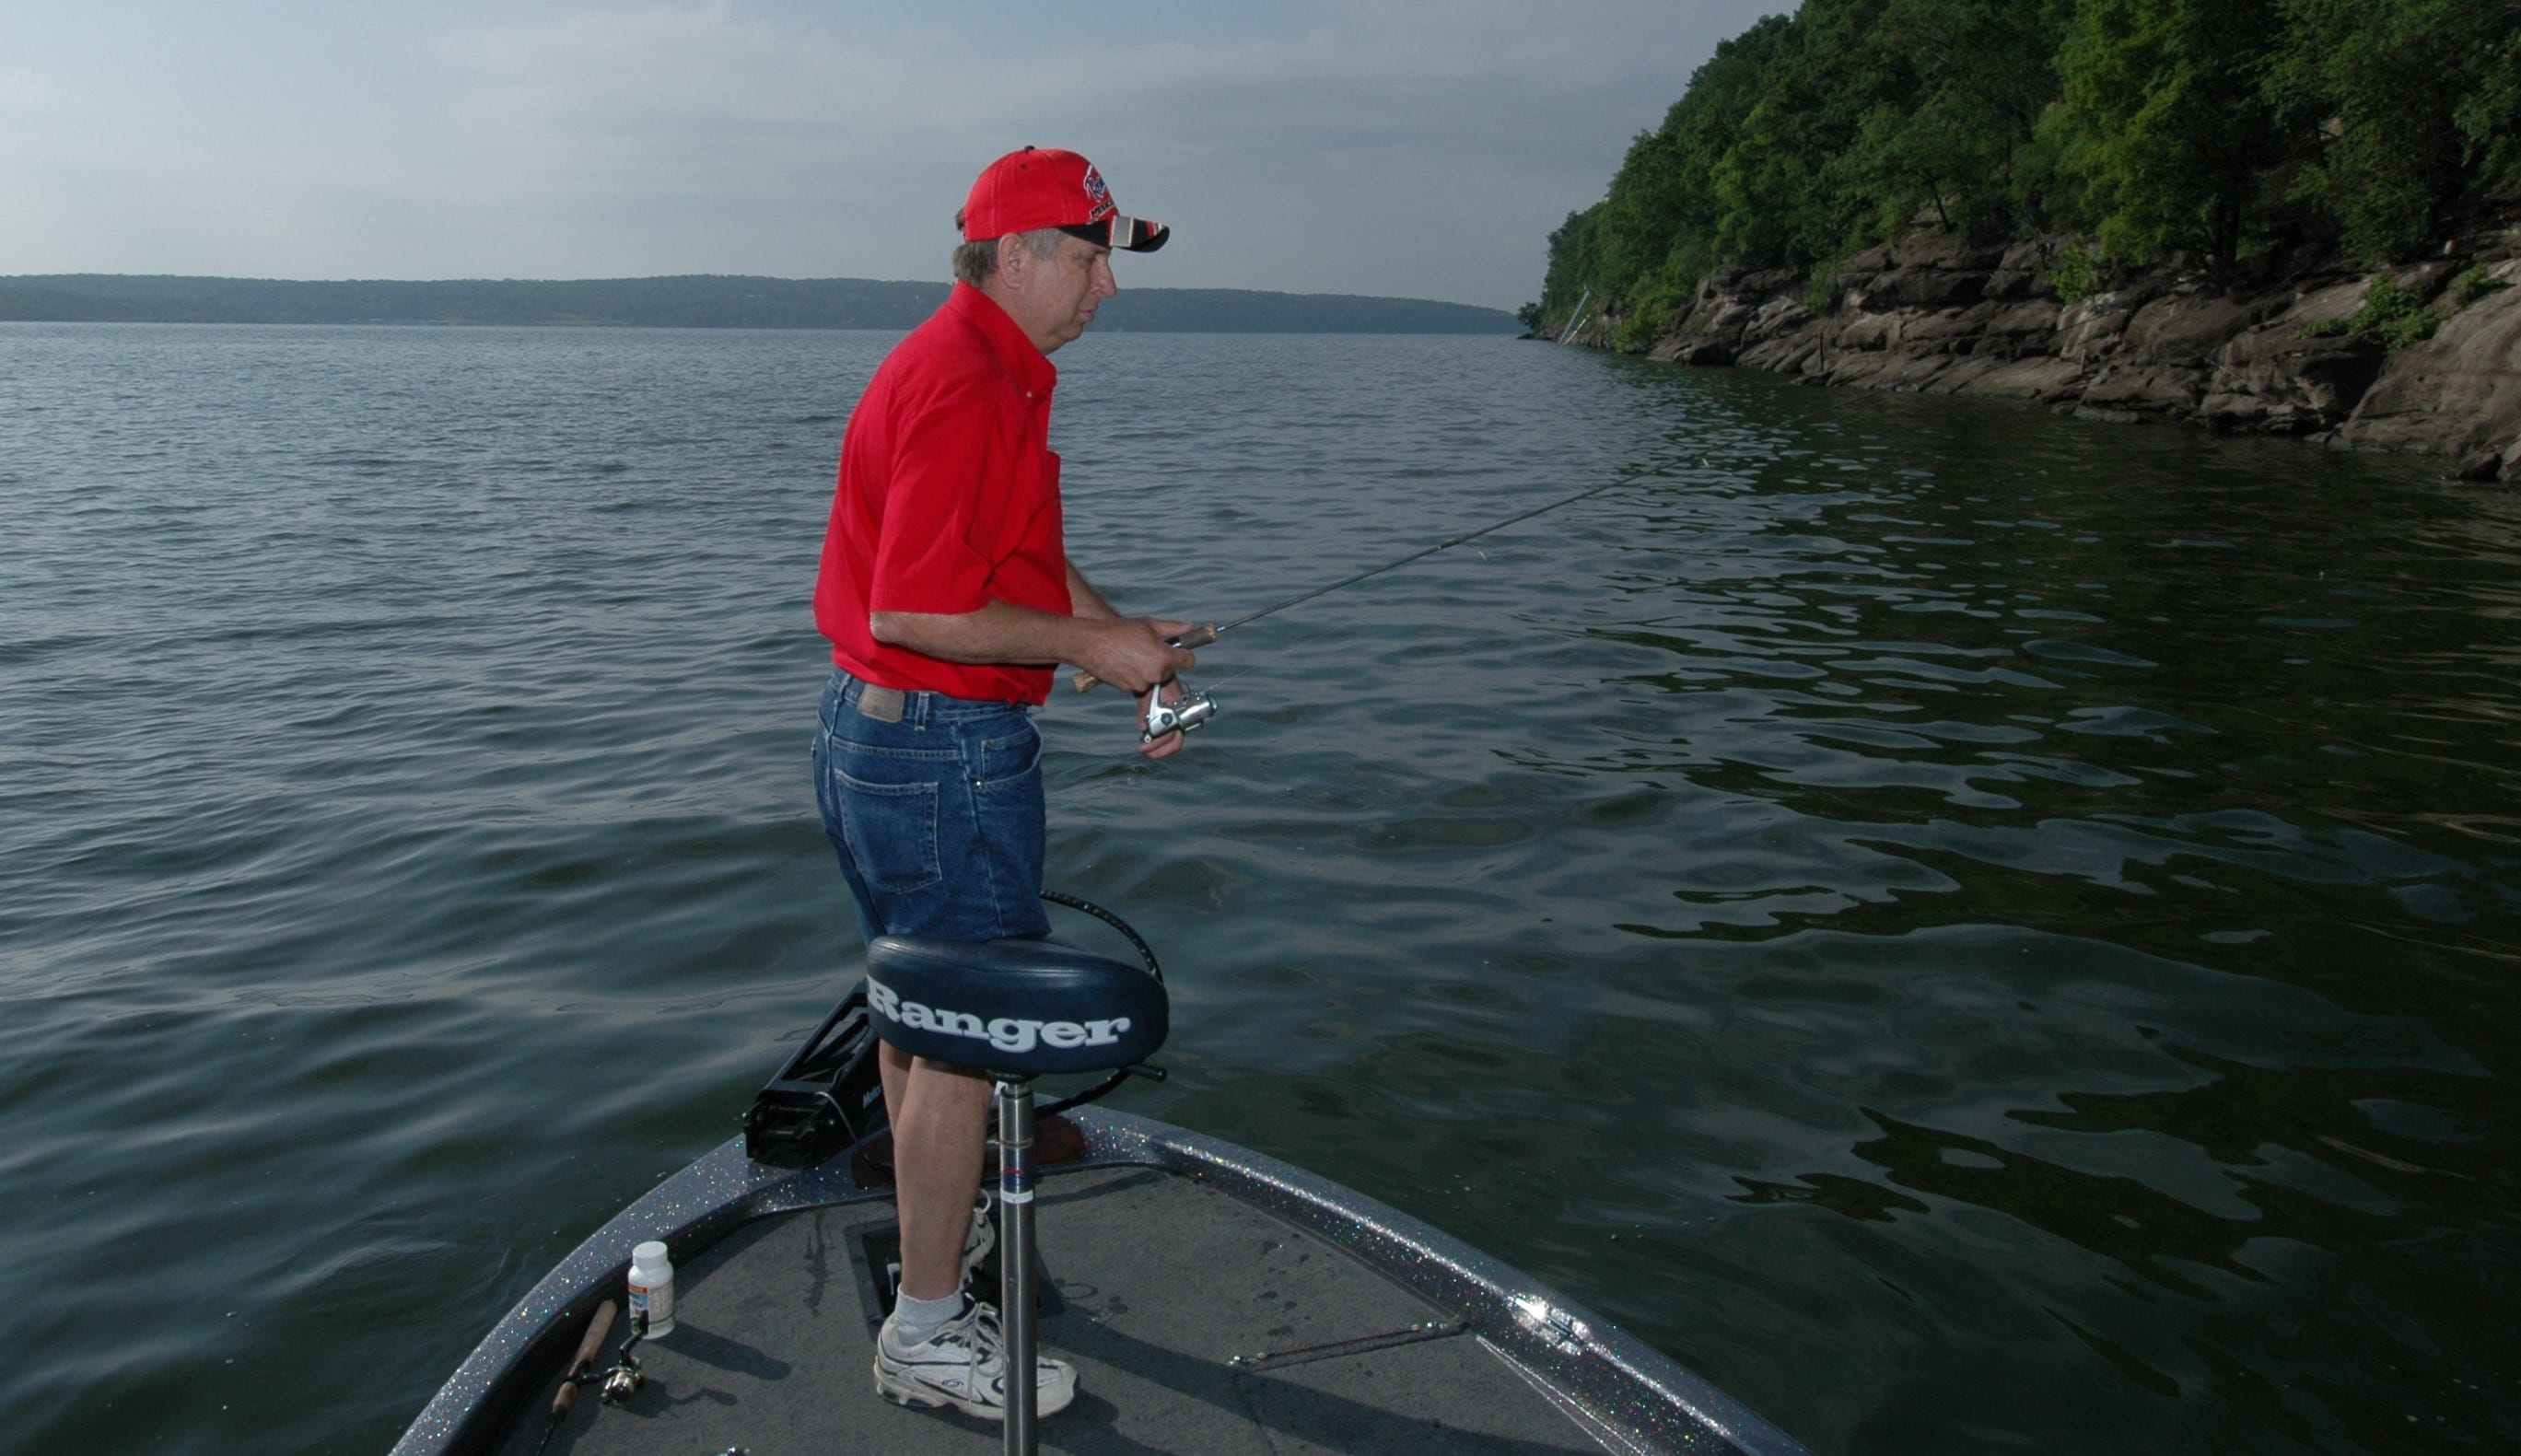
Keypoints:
pixel 1651 232
pixel 2383 99
pixel 1573 266
pixel 2166 122
pixel 1976 75
pixel 1783 194
pixel 2154 127
pixel 2489 111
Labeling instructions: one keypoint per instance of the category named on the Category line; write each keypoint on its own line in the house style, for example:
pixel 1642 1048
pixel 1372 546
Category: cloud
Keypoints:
pixel 25 89
pixel 1422 146
pixel 702 87
pixel 1285 154
pixel 610 81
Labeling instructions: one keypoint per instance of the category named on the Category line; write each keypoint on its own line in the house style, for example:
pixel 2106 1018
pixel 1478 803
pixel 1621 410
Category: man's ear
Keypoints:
pixel 1015 258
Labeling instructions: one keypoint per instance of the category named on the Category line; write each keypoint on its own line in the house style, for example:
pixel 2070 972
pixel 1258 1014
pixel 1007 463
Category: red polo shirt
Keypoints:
pixel 948 496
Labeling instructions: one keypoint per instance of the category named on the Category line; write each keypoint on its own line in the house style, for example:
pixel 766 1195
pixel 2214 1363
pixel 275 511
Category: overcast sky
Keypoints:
pixel 1419 148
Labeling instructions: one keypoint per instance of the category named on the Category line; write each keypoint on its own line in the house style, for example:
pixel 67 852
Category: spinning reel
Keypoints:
pixel 1180 715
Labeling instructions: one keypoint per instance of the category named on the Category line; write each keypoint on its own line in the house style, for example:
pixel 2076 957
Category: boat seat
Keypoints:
pixel 1013 1008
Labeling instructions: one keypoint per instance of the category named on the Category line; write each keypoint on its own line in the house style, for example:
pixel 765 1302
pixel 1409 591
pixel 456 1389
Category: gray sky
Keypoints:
pixel 1421 148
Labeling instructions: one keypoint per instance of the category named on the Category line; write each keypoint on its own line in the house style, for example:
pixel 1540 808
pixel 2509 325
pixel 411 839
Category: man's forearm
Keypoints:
pixel 1084 598
pixel 998 632
pixel 1129 653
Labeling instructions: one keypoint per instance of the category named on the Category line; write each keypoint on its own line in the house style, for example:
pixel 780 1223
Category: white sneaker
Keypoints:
pixel 982 1238
pixel 964 1365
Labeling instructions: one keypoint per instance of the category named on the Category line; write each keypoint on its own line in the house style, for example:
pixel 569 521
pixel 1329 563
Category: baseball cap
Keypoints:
pixel 1043 187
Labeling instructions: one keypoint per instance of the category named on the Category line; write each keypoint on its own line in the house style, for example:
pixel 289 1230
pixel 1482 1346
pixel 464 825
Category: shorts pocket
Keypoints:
pixel 890 830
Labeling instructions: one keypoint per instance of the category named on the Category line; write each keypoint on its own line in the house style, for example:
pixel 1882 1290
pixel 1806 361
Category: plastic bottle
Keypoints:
pixel 651 1289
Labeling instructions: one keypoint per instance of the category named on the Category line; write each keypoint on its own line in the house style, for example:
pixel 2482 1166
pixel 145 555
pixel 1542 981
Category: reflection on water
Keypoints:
pixel 1976 931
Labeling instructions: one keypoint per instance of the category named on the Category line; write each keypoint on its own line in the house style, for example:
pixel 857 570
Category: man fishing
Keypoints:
pixel 949 599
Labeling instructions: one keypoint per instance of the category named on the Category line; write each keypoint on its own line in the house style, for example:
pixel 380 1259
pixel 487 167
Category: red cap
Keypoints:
pixel 1046 188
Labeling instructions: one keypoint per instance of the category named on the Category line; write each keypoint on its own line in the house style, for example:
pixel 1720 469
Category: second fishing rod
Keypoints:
pixel 1192 709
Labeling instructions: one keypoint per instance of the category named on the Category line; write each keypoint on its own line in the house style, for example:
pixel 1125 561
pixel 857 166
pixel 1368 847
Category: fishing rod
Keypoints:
pixel 1195 709
pixel 577 1374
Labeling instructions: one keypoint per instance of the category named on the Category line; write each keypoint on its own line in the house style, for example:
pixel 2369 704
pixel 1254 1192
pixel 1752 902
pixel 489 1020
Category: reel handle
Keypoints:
pixel 1195 637
pixel 588 1349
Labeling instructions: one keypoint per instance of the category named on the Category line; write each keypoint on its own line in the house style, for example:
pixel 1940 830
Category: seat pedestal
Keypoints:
pixel 1018 1301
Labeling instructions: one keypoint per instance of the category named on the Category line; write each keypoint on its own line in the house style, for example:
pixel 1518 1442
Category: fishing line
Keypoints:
pixel 1161 722
pixel 1210 634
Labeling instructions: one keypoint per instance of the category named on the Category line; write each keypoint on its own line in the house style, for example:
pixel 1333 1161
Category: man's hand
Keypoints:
pixel 1132 652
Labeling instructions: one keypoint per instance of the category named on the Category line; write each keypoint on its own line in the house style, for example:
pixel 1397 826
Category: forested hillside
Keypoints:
pixel 2146 129
pixel 705 301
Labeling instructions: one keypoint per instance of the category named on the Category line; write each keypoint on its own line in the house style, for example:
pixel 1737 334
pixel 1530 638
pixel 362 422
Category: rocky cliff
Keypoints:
pixel 2299 345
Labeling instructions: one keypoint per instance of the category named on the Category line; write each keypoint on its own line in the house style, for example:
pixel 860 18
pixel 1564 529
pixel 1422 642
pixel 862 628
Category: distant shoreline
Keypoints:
pixel 690 301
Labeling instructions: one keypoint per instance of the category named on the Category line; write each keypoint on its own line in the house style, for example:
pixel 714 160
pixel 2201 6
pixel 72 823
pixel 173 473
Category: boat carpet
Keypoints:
pixel 1154 1284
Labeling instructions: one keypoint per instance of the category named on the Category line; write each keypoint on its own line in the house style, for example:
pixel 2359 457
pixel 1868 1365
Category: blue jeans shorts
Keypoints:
pixel 937 818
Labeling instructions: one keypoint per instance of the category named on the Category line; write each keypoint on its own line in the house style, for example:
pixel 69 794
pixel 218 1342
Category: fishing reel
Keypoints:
pixel 615 1386
pixel 622 1382
pixel 1180 715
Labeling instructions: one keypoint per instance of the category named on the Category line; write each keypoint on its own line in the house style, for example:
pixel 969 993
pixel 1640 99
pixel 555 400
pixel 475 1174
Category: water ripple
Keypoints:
pixel 1975 930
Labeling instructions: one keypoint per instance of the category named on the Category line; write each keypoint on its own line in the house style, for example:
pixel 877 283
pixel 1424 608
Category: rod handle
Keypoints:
pixel 588 1349
pixel 1195 637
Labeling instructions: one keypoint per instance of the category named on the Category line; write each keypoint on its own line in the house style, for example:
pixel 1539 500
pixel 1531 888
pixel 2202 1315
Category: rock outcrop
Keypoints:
pixel 2291 347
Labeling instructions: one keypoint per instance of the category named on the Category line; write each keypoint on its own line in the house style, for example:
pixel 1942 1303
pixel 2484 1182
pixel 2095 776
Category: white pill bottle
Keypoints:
pixel 651 1289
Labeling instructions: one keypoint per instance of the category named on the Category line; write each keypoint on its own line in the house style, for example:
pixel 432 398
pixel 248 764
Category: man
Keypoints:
pixel 948 597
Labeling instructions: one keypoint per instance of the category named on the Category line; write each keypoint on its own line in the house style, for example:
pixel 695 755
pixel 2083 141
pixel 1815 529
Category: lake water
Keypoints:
pixel 1974 930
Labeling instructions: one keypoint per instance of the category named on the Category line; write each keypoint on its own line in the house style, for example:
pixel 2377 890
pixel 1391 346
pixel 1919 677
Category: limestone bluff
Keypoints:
pixel 2422 357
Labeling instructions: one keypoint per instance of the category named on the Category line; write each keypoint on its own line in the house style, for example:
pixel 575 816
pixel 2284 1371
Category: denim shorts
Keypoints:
pixel 937 818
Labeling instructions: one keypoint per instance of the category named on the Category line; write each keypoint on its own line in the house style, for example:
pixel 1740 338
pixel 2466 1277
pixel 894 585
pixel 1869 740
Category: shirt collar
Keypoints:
pixel 1030 369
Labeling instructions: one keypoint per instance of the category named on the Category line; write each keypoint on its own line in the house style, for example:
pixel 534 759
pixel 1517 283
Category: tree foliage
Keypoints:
pixel 2154 127
pixel 2395 106
pixel 2166 122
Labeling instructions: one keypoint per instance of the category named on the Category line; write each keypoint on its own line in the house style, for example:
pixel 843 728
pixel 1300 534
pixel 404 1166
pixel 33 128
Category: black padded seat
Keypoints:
pixel 1023 1008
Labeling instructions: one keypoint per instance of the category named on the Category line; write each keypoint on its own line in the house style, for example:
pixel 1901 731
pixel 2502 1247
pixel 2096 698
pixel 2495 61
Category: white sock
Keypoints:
pixel 915 1320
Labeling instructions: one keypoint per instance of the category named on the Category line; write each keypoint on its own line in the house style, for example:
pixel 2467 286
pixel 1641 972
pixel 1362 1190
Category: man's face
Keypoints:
pixel 1055 297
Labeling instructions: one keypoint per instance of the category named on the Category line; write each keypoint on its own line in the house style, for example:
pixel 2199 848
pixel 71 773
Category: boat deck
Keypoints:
pixel 1198 1323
